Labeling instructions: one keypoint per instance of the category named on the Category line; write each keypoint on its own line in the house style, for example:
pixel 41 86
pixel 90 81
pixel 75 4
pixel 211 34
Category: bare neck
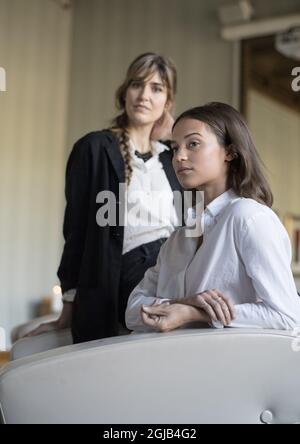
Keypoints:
pixel 141 138
pixel 213 191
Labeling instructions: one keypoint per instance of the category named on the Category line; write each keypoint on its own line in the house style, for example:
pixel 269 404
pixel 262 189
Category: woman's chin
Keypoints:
pixel 186 183
pixel 141 119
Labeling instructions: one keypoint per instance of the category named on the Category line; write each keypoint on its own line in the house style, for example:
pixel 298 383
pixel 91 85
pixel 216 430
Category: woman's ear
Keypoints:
pixel 229 157
pixel 231 153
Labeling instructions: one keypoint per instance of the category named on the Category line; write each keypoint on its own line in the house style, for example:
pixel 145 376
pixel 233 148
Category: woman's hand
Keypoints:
pixel 162 129
pixel 43 328
pixel 215 304
pixel 64 321
pixel 166 317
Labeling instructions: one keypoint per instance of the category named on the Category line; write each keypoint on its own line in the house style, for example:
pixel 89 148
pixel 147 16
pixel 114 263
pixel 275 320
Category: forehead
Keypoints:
pixel 152 77
pixel 188 126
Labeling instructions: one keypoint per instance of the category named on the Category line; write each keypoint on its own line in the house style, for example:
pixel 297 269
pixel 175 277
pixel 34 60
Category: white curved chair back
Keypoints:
pixel 187 376
pixel 40 343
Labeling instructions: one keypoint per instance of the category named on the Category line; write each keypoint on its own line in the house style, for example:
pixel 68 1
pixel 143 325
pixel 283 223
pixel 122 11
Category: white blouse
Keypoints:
pixel 245 254
pixel 151 214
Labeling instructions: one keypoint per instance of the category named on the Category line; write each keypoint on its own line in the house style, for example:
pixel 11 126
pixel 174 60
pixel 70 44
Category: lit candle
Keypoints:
pixel 56 304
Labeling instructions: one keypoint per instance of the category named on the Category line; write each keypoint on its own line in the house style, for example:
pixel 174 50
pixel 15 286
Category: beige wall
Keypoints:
pixel 109 34
pixel 35 37
pixel 276 130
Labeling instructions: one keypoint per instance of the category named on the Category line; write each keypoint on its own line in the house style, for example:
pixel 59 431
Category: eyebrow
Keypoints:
pixel 188 135
pixel 157 84
pixel 192 134
pixel 152 83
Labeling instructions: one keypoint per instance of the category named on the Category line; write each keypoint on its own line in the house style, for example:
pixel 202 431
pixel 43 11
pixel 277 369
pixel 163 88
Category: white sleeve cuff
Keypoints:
pixel 161 301
pixel 69 295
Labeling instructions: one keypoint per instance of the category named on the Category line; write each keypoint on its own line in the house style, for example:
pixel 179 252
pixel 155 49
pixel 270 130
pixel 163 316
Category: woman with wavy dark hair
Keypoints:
pixel 103 260
pixel 237 273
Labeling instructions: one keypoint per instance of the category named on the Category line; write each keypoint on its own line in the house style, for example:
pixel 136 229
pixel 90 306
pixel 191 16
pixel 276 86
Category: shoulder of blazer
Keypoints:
pixel 105 142
pixel 95 139
pixel 96 145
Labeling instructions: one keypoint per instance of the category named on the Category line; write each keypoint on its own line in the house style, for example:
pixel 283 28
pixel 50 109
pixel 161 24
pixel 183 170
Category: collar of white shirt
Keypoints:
pixel 215 207
pixel 212 210
pixel 156 148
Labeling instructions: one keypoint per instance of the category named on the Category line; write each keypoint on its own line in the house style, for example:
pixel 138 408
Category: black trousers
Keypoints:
pixel 134 265
pixel 94 320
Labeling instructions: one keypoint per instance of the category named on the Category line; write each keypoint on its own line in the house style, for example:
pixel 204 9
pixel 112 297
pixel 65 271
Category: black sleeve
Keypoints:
pixel 77 190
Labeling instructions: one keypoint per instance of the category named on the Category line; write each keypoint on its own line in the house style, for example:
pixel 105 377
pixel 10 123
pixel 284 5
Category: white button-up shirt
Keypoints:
pixel 245 254
pixel 151 214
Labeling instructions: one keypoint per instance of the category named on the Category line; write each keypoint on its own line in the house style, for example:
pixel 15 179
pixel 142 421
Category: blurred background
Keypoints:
pixel 62 61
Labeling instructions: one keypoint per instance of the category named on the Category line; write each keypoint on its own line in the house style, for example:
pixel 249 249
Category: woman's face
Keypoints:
pixel 145 100
pixel 199 160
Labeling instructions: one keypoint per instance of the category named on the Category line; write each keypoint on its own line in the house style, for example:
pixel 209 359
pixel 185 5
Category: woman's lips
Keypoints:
pixel 141 107
pixel 184 170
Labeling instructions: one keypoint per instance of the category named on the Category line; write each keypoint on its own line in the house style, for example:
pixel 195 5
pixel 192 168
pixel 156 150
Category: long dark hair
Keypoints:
pixel 140 69
pixel 245 172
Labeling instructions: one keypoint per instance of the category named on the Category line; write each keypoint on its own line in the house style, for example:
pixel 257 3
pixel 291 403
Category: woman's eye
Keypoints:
pixel 174 148
pixel 157 89
pixel 135 84
pixel 193 144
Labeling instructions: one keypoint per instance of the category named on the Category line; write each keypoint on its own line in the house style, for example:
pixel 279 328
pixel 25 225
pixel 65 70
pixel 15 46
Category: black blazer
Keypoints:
pixel 91 259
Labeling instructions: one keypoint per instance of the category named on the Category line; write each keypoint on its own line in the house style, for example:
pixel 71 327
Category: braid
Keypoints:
pixel 119 126
pixel 124 147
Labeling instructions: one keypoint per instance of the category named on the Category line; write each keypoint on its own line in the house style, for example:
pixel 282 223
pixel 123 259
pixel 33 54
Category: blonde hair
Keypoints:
pixel 140 69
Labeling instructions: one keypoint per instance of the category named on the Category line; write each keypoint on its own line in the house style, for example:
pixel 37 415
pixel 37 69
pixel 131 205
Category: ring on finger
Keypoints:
pixel 217 298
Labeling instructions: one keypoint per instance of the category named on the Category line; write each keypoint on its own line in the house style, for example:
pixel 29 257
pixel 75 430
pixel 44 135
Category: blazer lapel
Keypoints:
pixel 166 159
pixel 115 156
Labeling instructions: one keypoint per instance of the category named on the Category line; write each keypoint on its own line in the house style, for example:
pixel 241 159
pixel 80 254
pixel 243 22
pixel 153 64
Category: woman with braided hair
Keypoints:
pixel 102 263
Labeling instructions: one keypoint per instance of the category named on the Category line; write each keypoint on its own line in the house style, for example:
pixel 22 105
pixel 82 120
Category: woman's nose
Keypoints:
pixel 180 155
pixel 144 92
